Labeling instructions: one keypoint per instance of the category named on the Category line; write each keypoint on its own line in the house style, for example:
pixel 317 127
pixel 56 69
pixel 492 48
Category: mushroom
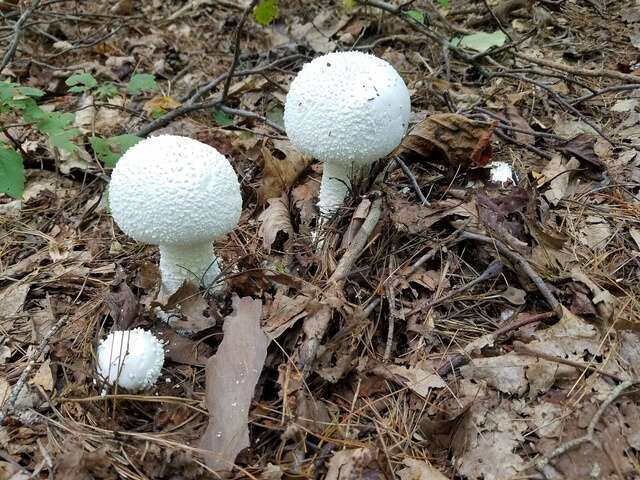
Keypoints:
pixel 180 194
pixel 347 109
pixel 131 358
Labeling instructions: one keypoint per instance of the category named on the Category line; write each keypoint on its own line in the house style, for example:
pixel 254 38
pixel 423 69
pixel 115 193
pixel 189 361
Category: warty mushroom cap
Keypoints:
pixel 347 107
pixel 131 358
pixel 173 190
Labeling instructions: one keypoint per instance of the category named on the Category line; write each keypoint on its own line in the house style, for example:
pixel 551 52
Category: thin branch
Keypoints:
pixel 9 405
pixel 589 437
pixel 543 288
pixel 17 33
pixel 236 50
pixel 414 182
pixel 255 116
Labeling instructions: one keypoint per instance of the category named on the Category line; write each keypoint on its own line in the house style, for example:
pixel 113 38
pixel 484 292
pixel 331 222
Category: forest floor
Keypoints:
pixel 448 325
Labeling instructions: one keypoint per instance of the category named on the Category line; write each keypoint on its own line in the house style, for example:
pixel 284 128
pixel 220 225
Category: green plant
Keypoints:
pixel 23 104
pixel 266 11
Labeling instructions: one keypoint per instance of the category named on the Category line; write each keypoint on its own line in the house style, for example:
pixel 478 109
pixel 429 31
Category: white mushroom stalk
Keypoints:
pixel 132 359
pixel 346 109
pixel 180 194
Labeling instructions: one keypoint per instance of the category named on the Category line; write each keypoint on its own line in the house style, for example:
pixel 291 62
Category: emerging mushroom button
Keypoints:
pixel 131 358
pixel 346 109
pixel 180 194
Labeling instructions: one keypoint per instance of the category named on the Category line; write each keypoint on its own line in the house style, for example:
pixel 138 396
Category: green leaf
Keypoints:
pixel 222 119
pixel 29 91
pixel 108 90
pixel 443 3
pixel 56 125
pixel 266 11
pixel 481 42
pixel 11 172
pixel 109 150
pixel 417 15
pixel 141 82
pixel 81 82
pixel 276 115
pixel 350 4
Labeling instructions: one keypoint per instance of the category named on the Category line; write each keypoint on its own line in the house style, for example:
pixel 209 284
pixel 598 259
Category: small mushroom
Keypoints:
pixel 180 194
pixel 347 109
pixel 131 358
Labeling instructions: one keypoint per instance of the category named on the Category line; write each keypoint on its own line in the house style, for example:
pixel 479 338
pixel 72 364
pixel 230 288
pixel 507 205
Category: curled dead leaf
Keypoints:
pixel 276 223
pixel 281 168
pixel 452 139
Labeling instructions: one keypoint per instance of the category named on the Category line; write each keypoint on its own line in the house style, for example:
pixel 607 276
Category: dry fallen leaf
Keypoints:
pixel 11 303
pixel 421 378
pixel 419 470
pixel 275 220
pixel 451 139
pixel 358 463
pixel 414 218
pixel 558 174
pixel 232 374
pixel 280 171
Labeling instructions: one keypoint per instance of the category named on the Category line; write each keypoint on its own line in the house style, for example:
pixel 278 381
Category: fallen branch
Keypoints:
pixel 9 405
pixel 526 267
pixel 580 71
pixel 18 28
pixel 236 50
pixel 589 437
pixel 309 349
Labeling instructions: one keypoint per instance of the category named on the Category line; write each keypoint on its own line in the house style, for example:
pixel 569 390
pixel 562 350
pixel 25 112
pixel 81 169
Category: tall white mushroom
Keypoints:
pixel 180 194
pixel 347 109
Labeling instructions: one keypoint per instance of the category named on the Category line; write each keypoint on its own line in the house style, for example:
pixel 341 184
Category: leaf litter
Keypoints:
pixel 400 366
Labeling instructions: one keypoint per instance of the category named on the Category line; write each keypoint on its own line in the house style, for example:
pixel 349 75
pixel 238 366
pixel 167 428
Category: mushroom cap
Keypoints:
pixel 174 190
pixel 132 358
pixel 348 107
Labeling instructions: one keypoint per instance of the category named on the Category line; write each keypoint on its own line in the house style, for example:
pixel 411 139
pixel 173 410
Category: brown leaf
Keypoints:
pixel 11 303
pixel 304 198
pixel 281 168
pixel 76 464
pixel 558 174
pixel 284 312
pixel 414 218
pixel 188 309
pixel 419 470
pixel 451 139
pixel 122 305
pixel 582 147
pixel 512 115
pixel 181 349
pixel 231 377
pixel 276 223
pixel 358 463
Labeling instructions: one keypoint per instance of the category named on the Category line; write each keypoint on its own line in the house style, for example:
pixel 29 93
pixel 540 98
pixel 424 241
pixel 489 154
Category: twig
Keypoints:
pixel 255 116
pixel 495 17
pixel 200 92
pixel 520 260
pixel 236 50
pixel 8 407
pixel 523 349
pixel 580 71
pixel 168 117
pixel 494 269
pixel 17 33
pixel 414 182
pixel 356 247
pixel 602 91
pixel 589 437
pixel 309 349
pixel 562 102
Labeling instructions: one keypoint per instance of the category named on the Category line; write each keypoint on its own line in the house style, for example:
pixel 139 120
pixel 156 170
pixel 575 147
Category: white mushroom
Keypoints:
pixel 131 358
pixel 180 194
pixel 346 109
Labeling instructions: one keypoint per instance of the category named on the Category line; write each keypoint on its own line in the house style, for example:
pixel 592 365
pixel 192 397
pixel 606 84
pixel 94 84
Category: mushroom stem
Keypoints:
pixel 335 184
pixel 195 262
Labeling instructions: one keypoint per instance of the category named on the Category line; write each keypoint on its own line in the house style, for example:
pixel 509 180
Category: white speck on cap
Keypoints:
pixel 347 106
pixel 174 190
pixel 132 358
